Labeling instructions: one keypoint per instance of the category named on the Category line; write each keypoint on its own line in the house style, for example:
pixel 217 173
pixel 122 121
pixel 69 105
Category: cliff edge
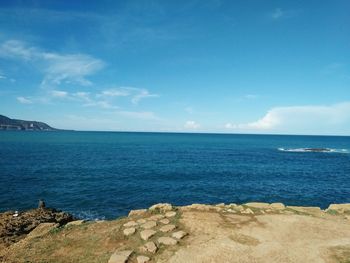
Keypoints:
pixel 252 232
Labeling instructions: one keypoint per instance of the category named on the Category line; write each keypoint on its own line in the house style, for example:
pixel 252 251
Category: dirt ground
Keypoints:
pixel 214 234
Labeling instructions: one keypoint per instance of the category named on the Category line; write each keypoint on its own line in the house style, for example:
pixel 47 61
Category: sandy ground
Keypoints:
pixel 215 234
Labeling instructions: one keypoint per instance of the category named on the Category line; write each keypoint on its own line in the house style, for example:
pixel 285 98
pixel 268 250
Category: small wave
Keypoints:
pixel 317 150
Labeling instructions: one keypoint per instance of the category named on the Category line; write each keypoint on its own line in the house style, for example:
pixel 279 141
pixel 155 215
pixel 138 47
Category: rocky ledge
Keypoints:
pixel 14 225
pixel 251 232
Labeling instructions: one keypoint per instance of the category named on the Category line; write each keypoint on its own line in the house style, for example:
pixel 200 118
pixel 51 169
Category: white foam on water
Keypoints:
pixel 314 150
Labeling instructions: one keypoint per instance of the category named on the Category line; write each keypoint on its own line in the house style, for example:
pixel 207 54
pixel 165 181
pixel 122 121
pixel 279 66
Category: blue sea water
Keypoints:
pixel 106 174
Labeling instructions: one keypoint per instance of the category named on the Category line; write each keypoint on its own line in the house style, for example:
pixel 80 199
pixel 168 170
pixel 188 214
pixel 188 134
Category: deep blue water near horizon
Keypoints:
pixel 106 174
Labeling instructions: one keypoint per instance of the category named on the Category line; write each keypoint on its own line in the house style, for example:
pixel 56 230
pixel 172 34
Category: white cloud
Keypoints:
pixel 313 119
pixel 277 13
pixel 142 94
pixel 191 125
pixel 59 93
pixel 57 68
pixel 24 100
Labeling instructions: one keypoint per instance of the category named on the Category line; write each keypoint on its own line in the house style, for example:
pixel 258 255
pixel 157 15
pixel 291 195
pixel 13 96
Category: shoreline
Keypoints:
pixel 166 233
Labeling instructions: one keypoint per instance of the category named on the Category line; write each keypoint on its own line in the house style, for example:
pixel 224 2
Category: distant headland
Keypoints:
pixel 22 125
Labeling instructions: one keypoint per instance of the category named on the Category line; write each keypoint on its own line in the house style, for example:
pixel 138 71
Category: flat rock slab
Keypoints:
pixel 129 231
pixel 170 214
pixel 120 256
pixel 149 225
pixel 162 207
pixel 277 206
pixel 167 241
pixel 179 234
pixel 130 224
pixel 167 228
pixel 156 217
pixel 165 221
pixel 258 205
pixel 75 223
pixel 138 212
pixel 149 247
pixel 146 234
pixel 142 259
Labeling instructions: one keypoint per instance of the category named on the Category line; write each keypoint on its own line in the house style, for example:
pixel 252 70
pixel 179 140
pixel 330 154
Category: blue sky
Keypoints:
pixel 182 66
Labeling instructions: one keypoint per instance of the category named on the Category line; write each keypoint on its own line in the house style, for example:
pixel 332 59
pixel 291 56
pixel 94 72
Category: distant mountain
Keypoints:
pixel 12 124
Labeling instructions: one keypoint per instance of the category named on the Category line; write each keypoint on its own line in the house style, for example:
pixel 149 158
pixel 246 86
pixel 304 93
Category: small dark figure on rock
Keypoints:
pixel 41 204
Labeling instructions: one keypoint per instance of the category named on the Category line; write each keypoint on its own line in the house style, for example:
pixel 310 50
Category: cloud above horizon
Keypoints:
pixel 57 68
pixel 310 119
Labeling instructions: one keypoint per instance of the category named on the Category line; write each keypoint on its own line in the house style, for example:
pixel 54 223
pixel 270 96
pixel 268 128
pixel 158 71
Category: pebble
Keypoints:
pixel 167 241
pixel 167 228
pixel 170 214
pixel 146 234
pixel 120 256
pixel 149 225
pixel 149 247
pixel 142 259
pixel 165 221
pixel 130 224
pixel 129 231
pixel 179 234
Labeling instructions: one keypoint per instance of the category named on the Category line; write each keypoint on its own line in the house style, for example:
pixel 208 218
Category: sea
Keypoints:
pixel 103 175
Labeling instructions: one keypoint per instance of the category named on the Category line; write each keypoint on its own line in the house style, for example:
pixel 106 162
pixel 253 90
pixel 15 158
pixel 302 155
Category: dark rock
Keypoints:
pixel 14 228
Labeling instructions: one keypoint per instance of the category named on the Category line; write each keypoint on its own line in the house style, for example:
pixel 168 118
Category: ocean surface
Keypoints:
pixel 102 175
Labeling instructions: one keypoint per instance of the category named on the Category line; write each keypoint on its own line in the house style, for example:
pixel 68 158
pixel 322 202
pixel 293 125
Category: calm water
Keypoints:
pixel 104 174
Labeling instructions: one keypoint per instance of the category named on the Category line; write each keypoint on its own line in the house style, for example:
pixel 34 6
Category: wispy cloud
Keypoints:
pixel 251 96
pixel 311 119
pixel 144 115
pixel 24 100
pixel 280 13
pixel 57 68
pixel 192 125
pixel 135 94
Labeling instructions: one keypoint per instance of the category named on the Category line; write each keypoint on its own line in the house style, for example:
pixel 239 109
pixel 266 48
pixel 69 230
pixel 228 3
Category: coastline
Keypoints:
pixel 195 233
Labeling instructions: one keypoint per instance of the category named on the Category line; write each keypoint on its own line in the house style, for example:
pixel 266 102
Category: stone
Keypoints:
pixel 156 217
pixel 162 207
pixel 146 234
pixel 142 259
pixel 247 211
pixel 277 206
pixel 179 234
pixel 75 223
pixel 165 221
pixel 141 221
pixel 167 241
pixel 170 214
pixel 138 212
pixel 149 224
pixel 167 228
pixel 340 208
pixel 129 231
pixel 221 205
pixel 149 247
pixel 120 256
pixel 258 205
pixel 130 224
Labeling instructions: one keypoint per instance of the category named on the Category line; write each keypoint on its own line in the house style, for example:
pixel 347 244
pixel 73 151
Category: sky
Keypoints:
pixel 262 67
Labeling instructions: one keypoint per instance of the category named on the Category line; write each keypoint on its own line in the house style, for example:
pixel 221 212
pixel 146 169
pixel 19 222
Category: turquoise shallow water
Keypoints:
pixel 105 174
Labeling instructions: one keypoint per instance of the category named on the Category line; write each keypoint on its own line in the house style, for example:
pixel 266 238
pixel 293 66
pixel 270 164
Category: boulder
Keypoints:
pixel 130 224
pixel 138 212
pixel 340 208
pixel 120 256
pixel 142 259
pixel 258 205
pixel 167 228
pixel 75 223
pixel 146 234
pixel 179 234
pixel 149 247
pixel 170 214
pixel 277 206
pixel 162 207
pixel 129 231
pixel 149 224
pixel 167 241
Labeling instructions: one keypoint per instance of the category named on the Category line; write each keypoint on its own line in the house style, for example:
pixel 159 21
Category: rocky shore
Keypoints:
pixel 251 232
